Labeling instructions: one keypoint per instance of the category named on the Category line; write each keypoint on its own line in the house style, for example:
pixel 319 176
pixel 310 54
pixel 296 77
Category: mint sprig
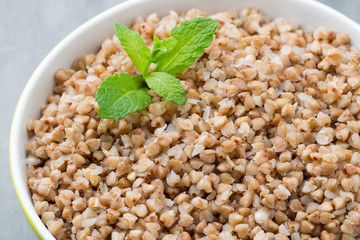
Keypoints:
pixel 121 94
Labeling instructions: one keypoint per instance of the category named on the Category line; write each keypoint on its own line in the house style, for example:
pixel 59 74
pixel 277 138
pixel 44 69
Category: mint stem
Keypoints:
pixel 146 69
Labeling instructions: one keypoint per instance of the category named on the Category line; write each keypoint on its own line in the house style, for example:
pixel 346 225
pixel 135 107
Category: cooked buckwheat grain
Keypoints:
pixel 266 146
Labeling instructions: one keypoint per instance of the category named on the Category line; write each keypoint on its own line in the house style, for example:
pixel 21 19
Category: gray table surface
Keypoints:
pixel 28 31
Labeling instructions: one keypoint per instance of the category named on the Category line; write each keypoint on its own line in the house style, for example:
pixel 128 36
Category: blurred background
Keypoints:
pixel 28 31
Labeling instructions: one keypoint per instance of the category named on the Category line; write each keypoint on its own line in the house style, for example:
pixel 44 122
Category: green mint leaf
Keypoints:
pixel 156 42
pixel 166 86
pixel 144 51
pixel 160 48
pixel 132 43
pixel 169 43
pixel 121 94
pixel 192 37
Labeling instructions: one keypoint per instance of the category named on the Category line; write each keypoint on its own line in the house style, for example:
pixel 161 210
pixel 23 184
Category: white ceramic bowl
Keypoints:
pixel 88 37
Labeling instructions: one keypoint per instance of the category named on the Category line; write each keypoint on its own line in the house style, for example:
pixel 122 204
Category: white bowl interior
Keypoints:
pixel 88 37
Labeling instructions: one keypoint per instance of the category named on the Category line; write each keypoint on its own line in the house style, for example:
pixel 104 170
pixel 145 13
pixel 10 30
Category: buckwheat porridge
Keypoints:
pixel 266 147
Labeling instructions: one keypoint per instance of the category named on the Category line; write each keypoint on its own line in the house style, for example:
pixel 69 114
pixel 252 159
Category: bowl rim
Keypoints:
pixel 38 227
